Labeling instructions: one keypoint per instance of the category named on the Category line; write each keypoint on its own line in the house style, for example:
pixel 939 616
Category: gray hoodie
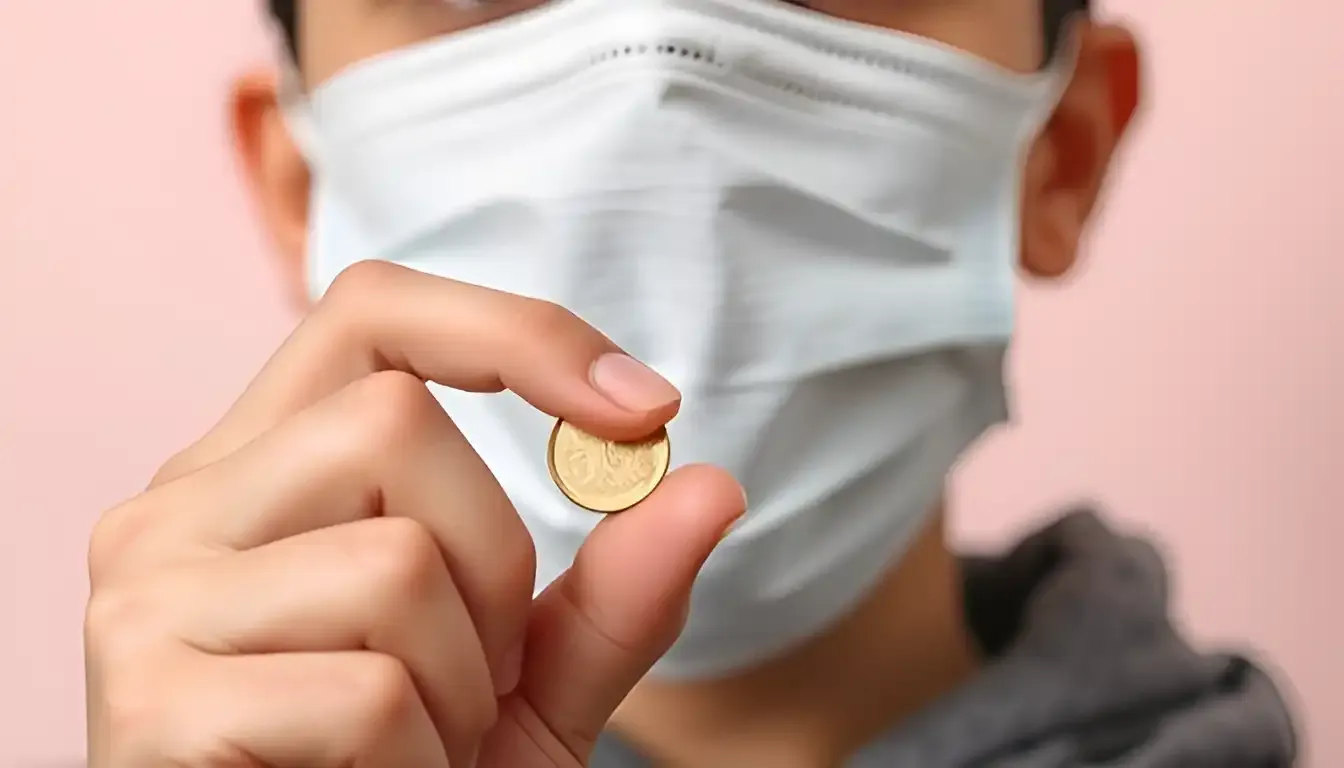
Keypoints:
pixel 1086 671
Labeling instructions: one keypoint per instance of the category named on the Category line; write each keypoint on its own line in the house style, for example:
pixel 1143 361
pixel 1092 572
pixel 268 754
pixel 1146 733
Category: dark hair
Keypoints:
pixel 286 16
pixel 1054 14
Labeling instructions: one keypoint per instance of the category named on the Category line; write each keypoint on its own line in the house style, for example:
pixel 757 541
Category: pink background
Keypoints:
pixel 1190 378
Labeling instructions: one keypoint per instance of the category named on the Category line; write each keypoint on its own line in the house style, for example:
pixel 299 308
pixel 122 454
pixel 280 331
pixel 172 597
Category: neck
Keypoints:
pixel 904 646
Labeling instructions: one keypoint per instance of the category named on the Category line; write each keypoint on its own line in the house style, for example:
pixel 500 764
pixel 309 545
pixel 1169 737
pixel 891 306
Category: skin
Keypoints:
pixel 331 577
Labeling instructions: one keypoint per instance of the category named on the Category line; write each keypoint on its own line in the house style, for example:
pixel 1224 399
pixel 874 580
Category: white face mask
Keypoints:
pixel 809 226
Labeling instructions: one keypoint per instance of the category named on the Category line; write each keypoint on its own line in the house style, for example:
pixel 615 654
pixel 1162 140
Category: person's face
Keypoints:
pixel 1064 175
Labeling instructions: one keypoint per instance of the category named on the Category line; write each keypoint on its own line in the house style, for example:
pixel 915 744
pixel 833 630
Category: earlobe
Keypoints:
pixel 276 173
pixel 1068 166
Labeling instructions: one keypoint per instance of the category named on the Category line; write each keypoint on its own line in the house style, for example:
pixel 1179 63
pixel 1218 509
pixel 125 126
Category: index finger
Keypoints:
pixel 379 316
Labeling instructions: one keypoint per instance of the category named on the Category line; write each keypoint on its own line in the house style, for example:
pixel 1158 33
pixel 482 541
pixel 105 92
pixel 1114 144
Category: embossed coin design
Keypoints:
pixel 606 476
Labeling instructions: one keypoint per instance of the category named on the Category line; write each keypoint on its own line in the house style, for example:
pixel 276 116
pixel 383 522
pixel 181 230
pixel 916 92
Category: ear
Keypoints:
pixel 1067 168
pixel 276 173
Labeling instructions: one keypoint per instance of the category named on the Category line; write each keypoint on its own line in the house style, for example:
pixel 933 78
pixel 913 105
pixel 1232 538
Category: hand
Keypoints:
pixel 332 577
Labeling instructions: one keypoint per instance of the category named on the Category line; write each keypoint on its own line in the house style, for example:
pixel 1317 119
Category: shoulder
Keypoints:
pixel 1091 643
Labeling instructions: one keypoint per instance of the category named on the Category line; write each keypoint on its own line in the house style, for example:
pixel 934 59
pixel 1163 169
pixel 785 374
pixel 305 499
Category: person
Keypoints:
pixel 788 231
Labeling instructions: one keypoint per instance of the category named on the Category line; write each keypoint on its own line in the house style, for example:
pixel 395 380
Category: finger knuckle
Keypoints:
pixel 547 319
pixel 108 612
pixel 119 623
pixel 357 281
pixel 383 693
pixel 349 306
pixel 139 721
pixel 401 559
pixel 133 704
pixel 395 409
pixel 212 750
pixel 113 535
pixel 130 716
pixel 105 545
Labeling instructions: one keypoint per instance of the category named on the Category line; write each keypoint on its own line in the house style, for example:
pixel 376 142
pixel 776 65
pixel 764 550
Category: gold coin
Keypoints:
pixel 603 475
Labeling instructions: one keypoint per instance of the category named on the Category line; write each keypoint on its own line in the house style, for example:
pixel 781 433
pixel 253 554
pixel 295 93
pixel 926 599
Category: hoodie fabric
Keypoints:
pixel 1085 671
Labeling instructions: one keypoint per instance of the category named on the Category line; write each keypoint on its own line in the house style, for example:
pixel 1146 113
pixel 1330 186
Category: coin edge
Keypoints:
pixel 563 487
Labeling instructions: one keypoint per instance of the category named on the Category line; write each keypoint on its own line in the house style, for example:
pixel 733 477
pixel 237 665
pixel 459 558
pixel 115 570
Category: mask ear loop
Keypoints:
pixel 1065 56
pixel 1058 72
pixel 297 110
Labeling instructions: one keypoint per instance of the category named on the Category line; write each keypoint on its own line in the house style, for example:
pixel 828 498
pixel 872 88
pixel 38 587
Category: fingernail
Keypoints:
pixel 631 384
pixel 732 524
pixel 510 671
pixel 727 532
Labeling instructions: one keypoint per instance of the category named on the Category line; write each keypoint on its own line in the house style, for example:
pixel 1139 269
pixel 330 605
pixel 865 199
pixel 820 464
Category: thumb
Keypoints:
pixel 599 628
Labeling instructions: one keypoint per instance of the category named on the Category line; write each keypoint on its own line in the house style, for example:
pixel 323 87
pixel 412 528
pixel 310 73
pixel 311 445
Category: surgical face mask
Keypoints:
pixel 809 226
